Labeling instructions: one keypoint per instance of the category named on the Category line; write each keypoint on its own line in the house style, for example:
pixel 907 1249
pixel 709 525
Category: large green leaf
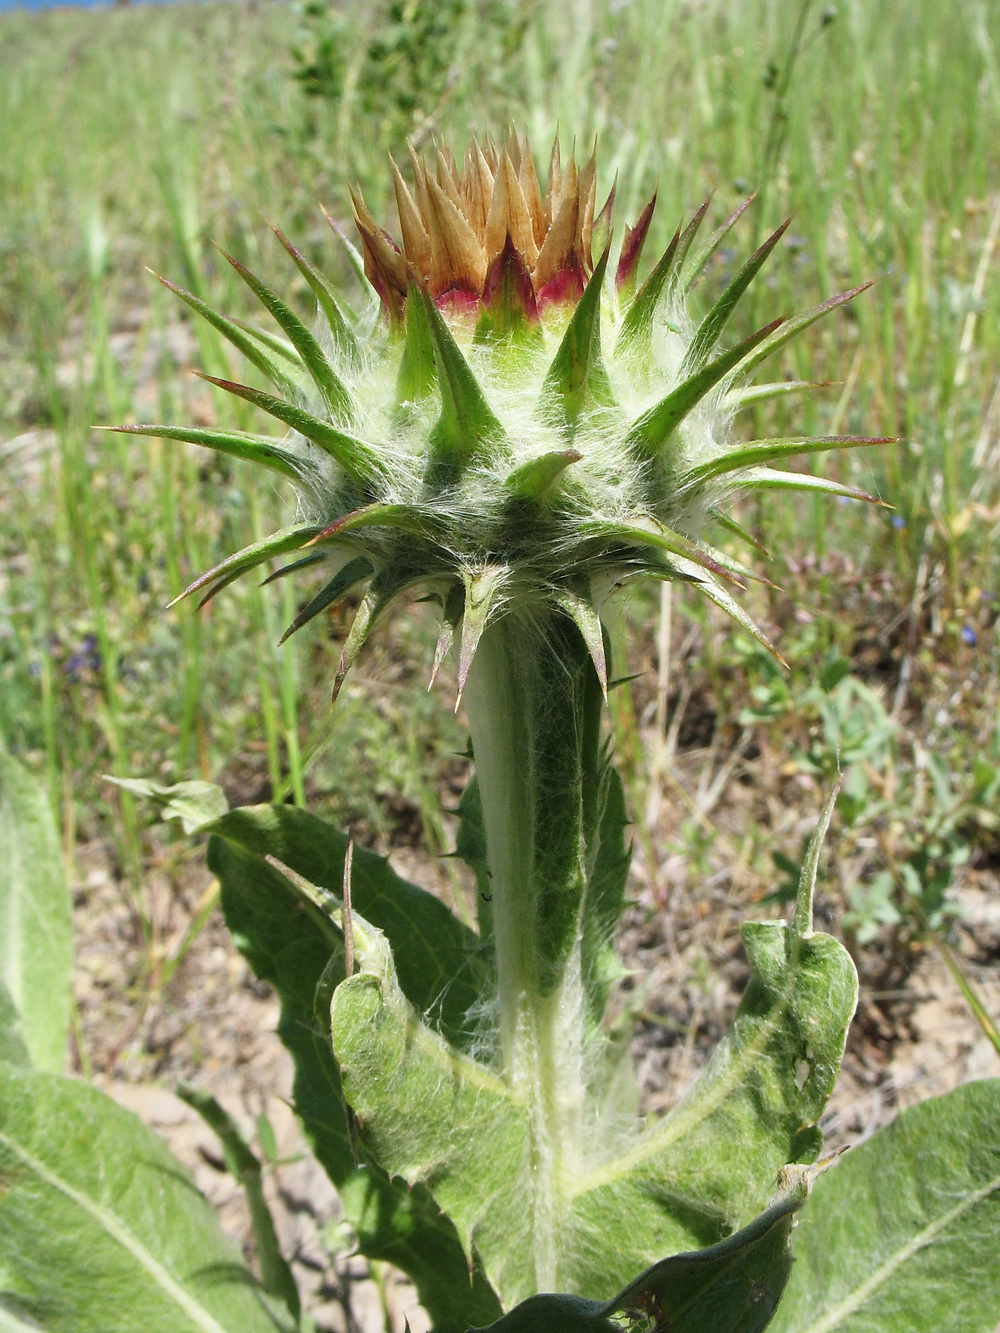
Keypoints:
pixel 441 968
pixel 432 1114
pixel 292 942
pixel 732 1287
pixel 12 1047
pixel 904 1234
pixel 36 932
pixel 102 1229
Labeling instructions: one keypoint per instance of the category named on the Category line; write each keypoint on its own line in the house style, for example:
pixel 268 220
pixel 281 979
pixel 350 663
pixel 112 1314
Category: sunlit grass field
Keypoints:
pixel 135 137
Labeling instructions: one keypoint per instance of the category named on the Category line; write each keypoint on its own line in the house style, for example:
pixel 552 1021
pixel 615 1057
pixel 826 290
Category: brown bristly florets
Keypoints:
pixel 463 228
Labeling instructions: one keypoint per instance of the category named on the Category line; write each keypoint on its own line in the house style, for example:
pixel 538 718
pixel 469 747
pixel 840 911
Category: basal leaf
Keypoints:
pixel 12 1047
pixel 732 1287
pixel 904 1233
pixel 36 932
pixel 440 967
pixel 102 1229
pixel 433 1115
pixel 295 946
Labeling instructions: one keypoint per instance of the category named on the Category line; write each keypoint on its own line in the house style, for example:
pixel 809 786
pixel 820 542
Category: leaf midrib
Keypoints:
pixel 675 1127
pixel 860 1296
pixel 118 1232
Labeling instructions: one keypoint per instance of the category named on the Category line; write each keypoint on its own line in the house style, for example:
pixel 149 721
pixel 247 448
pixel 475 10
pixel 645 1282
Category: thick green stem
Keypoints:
pixel 534 708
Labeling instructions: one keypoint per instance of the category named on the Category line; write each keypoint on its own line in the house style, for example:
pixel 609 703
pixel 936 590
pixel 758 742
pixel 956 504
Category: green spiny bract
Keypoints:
pixel 510 428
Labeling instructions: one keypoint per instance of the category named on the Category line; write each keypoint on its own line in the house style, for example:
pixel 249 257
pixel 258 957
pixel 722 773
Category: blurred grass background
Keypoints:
pixel 136 136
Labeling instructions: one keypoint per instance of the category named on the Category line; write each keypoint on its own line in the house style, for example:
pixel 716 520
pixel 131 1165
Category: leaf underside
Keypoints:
pixel 89 1194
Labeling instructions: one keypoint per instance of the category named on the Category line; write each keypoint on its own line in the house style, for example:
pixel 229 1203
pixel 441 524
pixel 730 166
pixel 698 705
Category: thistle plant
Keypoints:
pixel 514 430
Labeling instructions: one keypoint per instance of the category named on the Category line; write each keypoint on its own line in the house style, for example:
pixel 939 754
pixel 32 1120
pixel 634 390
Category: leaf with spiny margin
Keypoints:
pixel 331 387
pixel 358 459
pixel 729 523
pixel 36 929
pixel 711 327
pixel 587 620
pixel 651 431
pixel 577 379
pixel 280 346
pixel 663 539
pixel 904 1232
pixel 440 966
pixel 693 271
pixel 536 478
pixel 794 326
pixel 417 366
pixel 234 334
pixel 637 327
pixel 768 479
pixel 766 451
pixel 103 1229
pixel 731 1287
pixel 452 607
pixel 467 426
pixel 289 942
pixel 725 602
pixel 631 251
pixel 343 336
pixel 279 543
pixel 481 591
pixel 432 1114
pixel 236 443
pixel 404 517
pixel 764 393
pixel 285 570
pixel 341 583
pixel 383 590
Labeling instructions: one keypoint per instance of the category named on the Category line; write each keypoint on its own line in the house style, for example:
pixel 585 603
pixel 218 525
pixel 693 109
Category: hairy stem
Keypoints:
pixel 534 710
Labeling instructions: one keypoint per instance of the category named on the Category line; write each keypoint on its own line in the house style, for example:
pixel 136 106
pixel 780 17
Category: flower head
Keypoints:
pixel 521 431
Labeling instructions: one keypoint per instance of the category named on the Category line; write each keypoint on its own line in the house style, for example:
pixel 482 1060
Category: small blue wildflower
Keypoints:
pixel 970 636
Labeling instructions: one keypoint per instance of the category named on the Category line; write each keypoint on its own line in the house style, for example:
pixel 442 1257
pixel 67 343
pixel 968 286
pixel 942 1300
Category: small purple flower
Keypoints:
pixel 970 636
pixel 898 521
